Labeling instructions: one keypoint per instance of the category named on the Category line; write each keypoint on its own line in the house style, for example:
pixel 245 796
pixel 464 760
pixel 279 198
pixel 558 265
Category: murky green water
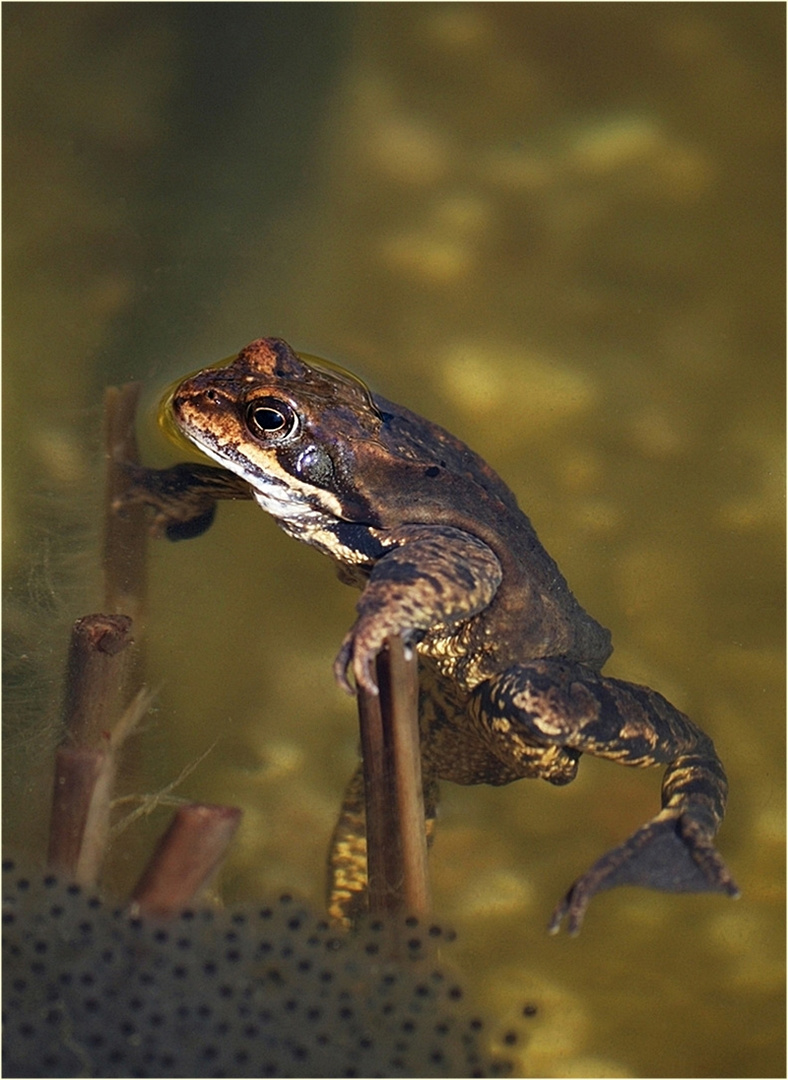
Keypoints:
pixel 554 228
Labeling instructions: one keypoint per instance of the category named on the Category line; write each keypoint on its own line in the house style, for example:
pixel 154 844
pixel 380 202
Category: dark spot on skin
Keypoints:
pixel 405 573
pixel 358 538
pixel 432 471
pixel 464 576
pixel 436 583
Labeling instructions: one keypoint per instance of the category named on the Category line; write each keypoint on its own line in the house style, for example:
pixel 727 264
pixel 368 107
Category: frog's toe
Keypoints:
pixel 671 853
pixel 699 843
pixel 351 657
pixel 572 906
pixel 342 663
pixel 364 671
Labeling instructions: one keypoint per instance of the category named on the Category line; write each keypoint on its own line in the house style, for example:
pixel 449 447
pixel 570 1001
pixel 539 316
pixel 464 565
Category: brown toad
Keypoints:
pixel 509 671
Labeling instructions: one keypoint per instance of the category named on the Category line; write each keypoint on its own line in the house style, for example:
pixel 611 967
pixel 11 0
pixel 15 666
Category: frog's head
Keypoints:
pixel 289 425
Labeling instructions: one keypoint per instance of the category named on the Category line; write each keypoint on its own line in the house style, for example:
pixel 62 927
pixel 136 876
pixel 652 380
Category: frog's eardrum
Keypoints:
pixel 268 990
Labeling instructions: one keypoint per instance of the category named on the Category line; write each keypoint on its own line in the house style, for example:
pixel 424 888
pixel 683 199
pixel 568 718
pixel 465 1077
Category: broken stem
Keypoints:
pixel 188 854
pixel 95 674
pixel 85 763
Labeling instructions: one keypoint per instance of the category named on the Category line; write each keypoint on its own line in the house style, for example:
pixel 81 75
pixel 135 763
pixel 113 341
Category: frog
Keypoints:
pixel 510 664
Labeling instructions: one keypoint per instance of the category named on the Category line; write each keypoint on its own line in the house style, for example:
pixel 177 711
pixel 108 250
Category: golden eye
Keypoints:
pixel 271 418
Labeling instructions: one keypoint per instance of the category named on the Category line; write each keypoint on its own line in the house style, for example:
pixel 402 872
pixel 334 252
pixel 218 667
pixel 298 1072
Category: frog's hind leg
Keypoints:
pixel 347 859
pixel 347 897
pixel 542 716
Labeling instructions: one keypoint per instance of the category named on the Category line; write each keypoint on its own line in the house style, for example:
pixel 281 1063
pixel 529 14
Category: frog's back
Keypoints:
pixel 534 612
pixel 410 436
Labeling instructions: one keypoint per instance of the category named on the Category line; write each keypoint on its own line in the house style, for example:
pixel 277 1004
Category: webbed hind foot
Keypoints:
pixel 673 853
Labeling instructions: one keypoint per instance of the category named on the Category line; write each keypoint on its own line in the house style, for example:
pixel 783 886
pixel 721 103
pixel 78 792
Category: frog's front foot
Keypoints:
pixel 360 661
pixel 673 852
pixel 360 650
pixel 181 499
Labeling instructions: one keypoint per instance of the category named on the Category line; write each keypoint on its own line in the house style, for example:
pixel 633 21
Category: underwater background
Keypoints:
pixel 555 229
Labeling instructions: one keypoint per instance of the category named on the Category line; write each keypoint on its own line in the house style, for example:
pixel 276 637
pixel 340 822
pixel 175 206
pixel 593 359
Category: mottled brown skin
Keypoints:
pixel 509 661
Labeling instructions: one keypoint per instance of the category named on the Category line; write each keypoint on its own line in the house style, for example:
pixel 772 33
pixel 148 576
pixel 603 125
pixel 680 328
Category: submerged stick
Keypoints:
pixel 85 762
pixel 396 838
pixel 188 854
pixel 80 811
pixel 95 675
pixel 125 535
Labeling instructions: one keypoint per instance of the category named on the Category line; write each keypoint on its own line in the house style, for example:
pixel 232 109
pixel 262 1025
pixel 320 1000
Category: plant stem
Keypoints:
pixel 126 534
pixel 187 855
pixel 396 839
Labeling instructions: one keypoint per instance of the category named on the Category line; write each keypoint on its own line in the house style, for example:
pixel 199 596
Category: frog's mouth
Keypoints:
pixel 283 501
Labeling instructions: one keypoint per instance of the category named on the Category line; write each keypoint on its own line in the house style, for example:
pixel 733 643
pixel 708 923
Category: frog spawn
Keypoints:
pixel 264 990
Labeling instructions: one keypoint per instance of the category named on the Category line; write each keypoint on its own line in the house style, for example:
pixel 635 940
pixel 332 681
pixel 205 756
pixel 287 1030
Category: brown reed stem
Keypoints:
pixel 126 534
pixel 187 855
pixel 396 838
pixel 95 676
pixel 85 762
pixel 80 811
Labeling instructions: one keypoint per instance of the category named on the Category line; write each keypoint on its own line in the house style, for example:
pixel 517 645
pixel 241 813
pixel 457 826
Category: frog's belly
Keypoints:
pixel 451 750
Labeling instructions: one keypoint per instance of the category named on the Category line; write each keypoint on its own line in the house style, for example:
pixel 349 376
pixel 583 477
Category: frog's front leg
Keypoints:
pixel 562 710
pixel 182 498
pixel 436 575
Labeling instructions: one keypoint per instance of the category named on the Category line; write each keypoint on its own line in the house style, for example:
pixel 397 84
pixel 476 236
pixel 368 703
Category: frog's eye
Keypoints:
pixel 271 418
